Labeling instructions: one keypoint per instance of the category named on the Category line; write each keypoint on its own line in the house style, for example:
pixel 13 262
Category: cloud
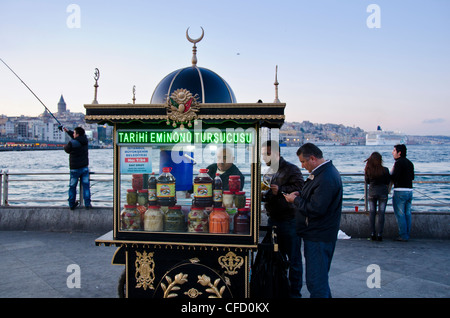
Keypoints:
pixel 433 121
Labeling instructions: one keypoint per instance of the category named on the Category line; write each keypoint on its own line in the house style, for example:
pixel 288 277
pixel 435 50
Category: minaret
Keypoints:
pixel 61 105
pixel 276 86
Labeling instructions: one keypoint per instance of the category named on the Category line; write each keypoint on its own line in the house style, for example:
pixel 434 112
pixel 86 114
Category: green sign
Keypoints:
pixel 214 136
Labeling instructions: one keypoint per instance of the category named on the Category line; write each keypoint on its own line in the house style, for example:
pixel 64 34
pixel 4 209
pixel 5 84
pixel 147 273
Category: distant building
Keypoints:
pixel 61 105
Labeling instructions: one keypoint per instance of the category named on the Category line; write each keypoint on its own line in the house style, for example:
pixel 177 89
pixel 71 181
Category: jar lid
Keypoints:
pixel 129 206
pixel 203 170
pixel 228 192
pixel 219 209
pixel 243 210
pixel 131 190
pixel 137 176
pixel 153 206
pixel 175 207
pixel 143 191
pixel 239 192
pixel 196 208
pixel 234 177
pixel 167 169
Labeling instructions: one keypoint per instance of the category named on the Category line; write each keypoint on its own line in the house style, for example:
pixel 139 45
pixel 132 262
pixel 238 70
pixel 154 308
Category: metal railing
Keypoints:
pixel 98 180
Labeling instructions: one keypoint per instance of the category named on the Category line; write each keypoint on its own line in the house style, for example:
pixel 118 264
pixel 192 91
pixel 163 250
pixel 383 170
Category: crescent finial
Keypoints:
pixel 194 41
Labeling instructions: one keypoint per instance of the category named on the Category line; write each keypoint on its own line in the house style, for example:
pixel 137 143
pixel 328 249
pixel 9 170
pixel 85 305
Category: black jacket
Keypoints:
pixel 320 205
pixel 403 173
pixel 289 179
pixel 379 186
pixel 78 151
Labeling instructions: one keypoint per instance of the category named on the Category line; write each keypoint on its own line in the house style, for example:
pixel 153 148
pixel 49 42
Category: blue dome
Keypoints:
pixel 210 87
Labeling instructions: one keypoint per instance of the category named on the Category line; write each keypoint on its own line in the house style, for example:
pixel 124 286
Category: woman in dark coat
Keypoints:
pixel 378 178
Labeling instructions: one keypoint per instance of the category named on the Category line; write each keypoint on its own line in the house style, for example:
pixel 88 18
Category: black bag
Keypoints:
pixel 269 278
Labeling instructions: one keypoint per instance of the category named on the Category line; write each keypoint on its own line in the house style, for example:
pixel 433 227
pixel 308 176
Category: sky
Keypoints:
pixel 353 62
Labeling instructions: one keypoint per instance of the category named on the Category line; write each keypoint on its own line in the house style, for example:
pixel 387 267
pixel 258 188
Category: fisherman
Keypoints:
pixel 77 148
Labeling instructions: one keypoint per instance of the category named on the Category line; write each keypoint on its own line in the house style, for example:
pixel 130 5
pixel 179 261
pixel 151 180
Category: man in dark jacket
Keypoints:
pixel 225 167
pixel 284 177
pixel 319 207
pixel 402 178
pixel 77 148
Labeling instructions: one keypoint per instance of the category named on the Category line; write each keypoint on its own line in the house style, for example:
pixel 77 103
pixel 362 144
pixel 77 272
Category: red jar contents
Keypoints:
pixel 137 182
pixel 219 221
pixel 234 183
pixel 242 221
pixel 203 189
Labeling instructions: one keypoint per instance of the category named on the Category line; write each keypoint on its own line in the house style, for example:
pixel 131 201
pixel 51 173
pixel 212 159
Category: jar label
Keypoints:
pixel 165 190
pixel 217 195
pixel 203 190
pixel 151 194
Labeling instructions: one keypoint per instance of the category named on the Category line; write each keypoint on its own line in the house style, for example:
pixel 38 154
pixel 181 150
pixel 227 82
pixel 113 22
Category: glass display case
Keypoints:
pixel 187 185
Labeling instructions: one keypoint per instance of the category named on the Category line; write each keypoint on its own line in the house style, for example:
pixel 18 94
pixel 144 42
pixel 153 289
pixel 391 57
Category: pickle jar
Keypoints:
pixel 197 220
pixel 234 183
pixel 153 219
pixel 242 221
pixel 142 197
pixel 219 221
pixel 228 199
pixel 174 220
pixel 130 218
pixel 239 199
pixel 131 197
pixel 137 182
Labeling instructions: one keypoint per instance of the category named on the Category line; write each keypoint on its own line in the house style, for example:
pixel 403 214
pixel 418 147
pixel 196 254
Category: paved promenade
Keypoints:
pixel 38 264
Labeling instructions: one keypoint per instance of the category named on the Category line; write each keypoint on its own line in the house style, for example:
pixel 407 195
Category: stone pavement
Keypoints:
pixel 38 264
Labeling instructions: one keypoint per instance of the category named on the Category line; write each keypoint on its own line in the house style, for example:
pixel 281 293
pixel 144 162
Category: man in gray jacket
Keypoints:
pixel 319 207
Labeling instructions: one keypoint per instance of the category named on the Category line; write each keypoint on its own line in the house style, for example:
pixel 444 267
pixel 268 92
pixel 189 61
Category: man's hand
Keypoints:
pixel 291 196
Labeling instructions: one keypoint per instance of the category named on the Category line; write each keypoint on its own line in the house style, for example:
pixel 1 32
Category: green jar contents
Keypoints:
pixel 131 197
pixel 142 197
pixel 174 220
pixel 165 188
pixel 153 219
pixel 130 218
pixel 239 199
pixel 203 190
pixel 197 220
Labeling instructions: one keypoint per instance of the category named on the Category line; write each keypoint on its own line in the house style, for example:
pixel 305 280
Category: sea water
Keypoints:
pixel 347 159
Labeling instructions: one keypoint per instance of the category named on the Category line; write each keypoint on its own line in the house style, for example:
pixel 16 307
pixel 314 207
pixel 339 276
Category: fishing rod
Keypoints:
pixel 60 125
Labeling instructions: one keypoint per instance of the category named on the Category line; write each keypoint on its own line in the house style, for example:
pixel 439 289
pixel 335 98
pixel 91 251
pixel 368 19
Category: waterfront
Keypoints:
pixel 348 160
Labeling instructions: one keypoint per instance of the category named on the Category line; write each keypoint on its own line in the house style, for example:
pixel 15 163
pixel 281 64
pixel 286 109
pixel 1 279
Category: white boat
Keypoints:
pixel 387 138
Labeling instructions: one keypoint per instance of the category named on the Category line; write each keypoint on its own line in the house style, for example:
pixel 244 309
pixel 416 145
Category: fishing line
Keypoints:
pixel 60 125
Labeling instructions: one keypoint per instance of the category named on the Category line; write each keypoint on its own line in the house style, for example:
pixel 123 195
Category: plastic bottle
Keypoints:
pixel 203 195
pixel 152 200
pixel 217 191
pixel 165 188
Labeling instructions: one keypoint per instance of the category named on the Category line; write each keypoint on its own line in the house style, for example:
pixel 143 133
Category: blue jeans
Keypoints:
pixel 83 175
pixel 318 256
pixel 401 200
pixel 289 245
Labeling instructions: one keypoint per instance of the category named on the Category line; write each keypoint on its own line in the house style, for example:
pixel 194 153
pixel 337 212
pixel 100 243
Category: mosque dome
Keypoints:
pixel 208 85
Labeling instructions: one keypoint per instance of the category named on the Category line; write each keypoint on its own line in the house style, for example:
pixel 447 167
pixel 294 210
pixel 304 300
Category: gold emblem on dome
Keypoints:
pixel 145 270
pixel 231 262
pixel 182 107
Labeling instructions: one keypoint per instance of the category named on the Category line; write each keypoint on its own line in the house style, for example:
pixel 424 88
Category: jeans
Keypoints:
pixel 318 256
pixel 382 202
pixel 401 201
pixel 289 245
pixel 83 175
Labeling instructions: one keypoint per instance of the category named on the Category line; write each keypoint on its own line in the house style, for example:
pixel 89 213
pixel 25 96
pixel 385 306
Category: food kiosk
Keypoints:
pixel 179 232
